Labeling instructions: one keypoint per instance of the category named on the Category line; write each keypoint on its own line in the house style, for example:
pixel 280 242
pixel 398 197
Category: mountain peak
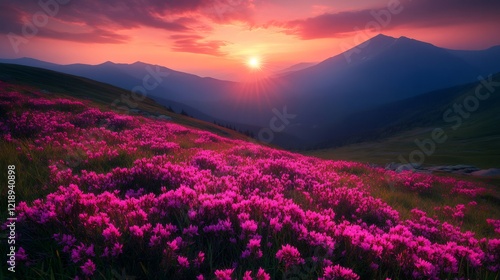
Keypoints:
pixel 383 36
pixel 410 42
pixel 380 40
pixel 108 63
pixel 404 38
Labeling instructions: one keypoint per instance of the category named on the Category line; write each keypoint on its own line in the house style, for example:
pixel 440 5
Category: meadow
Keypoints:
pixel 102 195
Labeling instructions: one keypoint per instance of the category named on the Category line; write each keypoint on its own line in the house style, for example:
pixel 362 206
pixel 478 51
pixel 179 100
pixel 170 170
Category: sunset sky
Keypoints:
pixel 217 38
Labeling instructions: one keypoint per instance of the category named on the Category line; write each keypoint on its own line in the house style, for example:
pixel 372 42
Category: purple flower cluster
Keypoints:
pixel 225 208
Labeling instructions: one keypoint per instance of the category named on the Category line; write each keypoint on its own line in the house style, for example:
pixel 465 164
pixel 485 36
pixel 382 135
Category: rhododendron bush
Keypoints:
pixel 157 200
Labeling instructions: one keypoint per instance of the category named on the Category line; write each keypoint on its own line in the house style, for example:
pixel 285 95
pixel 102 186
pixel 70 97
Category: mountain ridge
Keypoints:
pixel 385 69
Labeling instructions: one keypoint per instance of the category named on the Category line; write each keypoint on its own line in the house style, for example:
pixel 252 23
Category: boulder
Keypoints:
pixel 163 117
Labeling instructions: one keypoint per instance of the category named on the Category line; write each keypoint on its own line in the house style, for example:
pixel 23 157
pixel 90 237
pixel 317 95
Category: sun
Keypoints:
pixel 254 63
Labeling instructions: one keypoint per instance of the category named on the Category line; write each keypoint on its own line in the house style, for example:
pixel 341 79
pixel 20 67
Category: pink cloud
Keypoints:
pixel 196 44
pixel 107 19
pixel 403 13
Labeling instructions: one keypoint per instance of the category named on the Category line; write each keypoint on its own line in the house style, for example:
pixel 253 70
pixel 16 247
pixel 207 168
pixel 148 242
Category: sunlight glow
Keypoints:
pixel 254 63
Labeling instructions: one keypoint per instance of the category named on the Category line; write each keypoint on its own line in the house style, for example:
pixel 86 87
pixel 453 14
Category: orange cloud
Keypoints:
pixel 197 44
pixel 395 14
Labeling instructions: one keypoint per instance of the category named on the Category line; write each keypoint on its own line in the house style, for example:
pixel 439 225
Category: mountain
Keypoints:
pixel 295 67
pixel 174 85
pixel 381 134
pixel 377 72
pixel 488 59
pixel 212 99
pixel 386 69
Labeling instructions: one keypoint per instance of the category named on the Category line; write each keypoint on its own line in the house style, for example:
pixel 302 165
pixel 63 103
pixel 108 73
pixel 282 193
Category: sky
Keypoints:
pixel 217 38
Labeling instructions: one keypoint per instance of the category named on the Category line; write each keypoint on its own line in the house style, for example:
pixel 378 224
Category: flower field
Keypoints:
pixel 103 196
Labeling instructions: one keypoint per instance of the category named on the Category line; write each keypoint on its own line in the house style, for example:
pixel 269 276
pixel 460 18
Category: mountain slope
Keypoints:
pixel 294 68
pixel 103 94
pixel 381 134
pixel 385 69
pixel 381 71
pixel 213 99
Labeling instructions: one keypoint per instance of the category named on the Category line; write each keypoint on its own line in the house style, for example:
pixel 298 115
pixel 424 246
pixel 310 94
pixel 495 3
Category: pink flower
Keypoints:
pixel 339 272
pixel 423 268
pixel 111 233
pixel 289 255
pixel 224 274
pixel 117 249
pixel 199 259
pixel 88 268
pixel 174 244
pixel 249 226
pixel 262 275
pixel 183 261
pixel 136 231
pixel 253 248
pixel 247 275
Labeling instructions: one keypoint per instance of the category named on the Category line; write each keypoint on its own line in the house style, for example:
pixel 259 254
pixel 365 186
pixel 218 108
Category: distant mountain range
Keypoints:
pixel 295 67
pixel 380 71
pixel 393 131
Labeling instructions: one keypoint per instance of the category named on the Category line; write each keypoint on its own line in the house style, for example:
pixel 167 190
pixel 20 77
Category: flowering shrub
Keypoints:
pixel 495 224
pixel 338 272
pixel 289 256
pixel 134 197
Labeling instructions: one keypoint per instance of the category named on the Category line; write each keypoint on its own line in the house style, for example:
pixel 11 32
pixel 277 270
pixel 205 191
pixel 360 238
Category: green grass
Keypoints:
pixel 396 126
pixel 404 200
pixel 480 151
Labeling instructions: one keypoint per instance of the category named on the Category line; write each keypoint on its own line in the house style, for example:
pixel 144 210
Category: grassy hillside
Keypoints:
pixel 382 134
pixel 101 195
pixel 101 95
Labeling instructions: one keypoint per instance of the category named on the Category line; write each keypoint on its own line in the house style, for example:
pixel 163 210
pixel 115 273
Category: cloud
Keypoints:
pixel 225 11
pixel 414 14
pixel 105 21
pixel 197 44
pixel 95 36
pixel 10 19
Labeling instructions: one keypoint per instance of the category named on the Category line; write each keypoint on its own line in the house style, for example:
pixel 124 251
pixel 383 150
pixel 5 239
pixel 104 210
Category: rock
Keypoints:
pixel 163 117
pixel 487 172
